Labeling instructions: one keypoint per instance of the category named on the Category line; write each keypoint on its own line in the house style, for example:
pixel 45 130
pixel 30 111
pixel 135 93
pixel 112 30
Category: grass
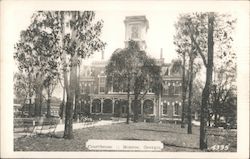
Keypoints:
pixel 172 136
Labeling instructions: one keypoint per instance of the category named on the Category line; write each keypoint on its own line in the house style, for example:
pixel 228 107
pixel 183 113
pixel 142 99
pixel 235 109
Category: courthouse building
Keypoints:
pixel 99 100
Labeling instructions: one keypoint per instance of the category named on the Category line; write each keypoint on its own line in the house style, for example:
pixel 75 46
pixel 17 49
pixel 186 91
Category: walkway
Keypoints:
pixel 60 127
pixel 81 125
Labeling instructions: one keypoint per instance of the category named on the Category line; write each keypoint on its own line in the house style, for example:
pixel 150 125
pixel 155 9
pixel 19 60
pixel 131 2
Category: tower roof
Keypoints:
pixel 141 18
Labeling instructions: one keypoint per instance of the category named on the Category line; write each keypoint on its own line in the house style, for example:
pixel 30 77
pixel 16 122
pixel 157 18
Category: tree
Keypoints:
pixel 186 50
pixel 22 89
pixel 50 83
pixel 82 40
pixel 37 53
pixel 204 30
pixel 139 71
pixel 223 91
pixel 45 43
pixel 120 68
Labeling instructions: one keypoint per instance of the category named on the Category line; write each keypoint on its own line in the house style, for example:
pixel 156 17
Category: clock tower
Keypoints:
pixel 136 28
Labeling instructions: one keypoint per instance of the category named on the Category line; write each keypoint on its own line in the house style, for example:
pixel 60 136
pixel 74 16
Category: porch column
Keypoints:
pixel 160 107
pixel 155 111
pixel 141 107
pixel 91 100
pixel 129 105
pixel 113 106
pixel 101 105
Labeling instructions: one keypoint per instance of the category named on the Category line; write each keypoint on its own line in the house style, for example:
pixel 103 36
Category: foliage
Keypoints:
pixel 21 87
pixel 210 33
pixel 80 37
pixel 223 96
pixel 133 63
pixel 37 53
pixel 132 68
pixel 45 47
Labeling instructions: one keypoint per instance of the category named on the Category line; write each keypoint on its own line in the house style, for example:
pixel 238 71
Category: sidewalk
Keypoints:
pixel 60 127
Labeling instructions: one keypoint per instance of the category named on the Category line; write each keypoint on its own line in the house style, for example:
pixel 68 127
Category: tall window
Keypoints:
pixel 165 107
pixel 167 72
pixel 135 32
pixel 87 89
pixel 166 88
pixel 124 109
pixel 177 88
pixel 102 89
pixel 176 108
pixel 102 79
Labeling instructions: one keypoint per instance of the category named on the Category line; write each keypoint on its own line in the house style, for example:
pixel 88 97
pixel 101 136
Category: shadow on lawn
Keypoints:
pixel 177 146
pixel 162 131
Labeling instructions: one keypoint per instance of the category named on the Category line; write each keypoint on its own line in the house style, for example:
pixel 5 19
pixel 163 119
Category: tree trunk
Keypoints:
pixel 37 105
pixel 68 131
pixel 63 105
pixel 30 113
pixel 128 101
pixel 77 97
pixel 48 108
pixel 68 127
pixel 40 98
pixel 136 105
pixel 190 94
pixel 209 120
pixel 206 90
pixel 30 104
pixel 183 91
pixel 215 119
pixel 48 104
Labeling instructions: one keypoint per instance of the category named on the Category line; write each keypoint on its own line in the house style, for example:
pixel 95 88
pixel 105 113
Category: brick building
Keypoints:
pixel 97 99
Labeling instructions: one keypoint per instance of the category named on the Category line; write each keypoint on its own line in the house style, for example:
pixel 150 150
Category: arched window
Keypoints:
pixel 117 108
pixel 107 106
pixel 148 107
pixel 138 108
pixel 85 106
pixel 124 104
pixel 96 106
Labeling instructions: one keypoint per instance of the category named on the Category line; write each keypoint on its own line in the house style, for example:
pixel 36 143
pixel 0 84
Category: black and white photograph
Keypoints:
pixel 128 79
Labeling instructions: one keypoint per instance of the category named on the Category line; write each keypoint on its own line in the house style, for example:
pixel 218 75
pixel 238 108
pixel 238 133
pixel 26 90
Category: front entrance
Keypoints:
pixel 120 108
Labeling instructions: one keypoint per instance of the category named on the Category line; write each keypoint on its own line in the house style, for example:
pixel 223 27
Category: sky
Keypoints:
pixel 161 16
pixel 159 35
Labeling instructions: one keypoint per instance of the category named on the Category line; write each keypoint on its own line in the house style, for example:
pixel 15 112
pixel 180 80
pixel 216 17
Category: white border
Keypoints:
pixel 239 8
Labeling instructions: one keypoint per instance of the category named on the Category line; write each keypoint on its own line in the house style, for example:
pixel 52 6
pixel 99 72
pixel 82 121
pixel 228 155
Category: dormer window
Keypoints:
pixel 167 72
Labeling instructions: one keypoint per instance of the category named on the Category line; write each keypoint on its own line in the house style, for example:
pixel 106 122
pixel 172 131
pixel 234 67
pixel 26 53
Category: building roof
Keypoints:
pixel 141 18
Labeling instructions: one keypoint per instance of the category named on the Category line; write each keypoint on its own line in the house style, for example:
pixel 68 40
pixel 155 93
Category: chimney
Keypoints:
pixel 102 55
pixel 161 55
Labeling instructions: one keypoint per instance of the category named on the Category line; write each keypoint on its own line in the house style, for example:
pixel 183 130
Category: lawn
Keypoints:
pixel 172 136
